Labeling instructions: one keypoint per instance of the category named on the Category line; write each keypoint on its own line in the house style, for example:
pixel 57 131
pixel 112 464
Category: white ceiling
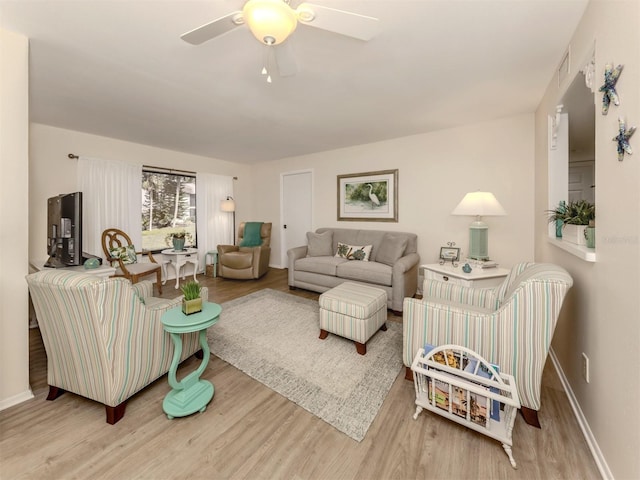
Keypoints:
pixel 119 69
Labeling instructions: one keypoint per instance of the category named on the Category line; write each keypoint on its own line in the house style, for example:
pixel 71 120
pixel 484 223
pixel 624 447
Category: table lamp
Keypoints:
pixel 477 204
pixel 229 205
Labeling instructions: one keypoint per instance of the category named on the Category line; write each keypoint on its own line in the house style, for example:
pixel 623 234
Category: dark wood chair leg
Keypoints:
pixel 397 313
pixel 292 288
pixel 54 392
pixel 530 416
pixel 159 281
pixel 199 354
pixel 115 414
pixel 323 334
pixel 383 327
pixel 361 348
pixel 408 374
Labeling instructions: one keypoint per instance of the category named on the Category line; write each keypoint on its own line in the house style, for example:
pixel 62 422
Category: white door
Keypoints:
pixel 296 207
pixel 582 181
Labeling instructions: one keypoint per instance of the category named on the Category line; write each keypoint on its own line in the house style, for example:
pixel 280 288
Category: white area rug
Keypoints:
pixel 273 337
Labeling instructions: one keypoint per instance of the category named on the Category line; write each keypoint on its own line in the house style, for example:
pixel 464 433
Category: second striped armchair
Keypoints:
pixel 510 325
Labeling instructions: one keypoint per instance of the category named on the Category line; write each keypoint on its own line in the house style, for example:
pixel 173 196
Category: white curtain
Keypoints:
pixel 214 226
pixel 111 198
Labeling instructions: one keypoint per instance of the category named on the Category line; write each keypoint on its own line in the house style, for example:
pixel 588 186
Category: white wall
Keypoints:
pixel 602 313
pixel 51 172
pixel 435 171
pixel 14 205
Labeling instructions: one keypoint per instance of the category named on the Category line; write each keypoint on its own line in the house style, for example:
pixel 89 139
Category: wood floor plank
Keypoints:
pixel 250 432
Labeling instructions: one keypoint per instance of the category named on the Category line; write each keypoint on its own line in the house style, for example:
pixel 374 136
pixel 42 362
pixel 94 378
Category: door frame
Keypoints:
pixel 283 247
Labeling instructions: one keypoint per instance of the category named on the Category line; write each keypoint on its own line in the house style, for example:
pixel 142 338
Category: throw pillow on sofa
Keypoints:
pixel 354 252
pixel 391 249
pixel 320 244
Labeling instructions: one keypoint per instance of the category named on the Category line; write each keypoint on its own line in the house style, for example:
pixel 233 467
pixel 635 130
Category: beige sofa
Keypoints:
pixel 392 266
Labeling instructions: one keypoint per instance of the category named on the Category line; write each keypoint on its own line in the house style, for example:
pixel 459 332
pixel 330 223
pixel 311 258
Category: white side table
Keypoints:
pixel 478 277
pixel 179 258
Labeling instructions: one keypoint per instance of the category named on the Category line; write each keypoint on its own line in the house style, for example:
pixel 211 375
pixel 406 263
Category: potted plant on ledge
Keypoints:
pixel 575 217
pixel 191 301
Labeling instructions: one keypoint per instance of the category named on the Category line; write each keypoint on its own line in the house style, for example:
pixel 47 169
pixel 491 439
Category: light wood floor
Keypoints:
pixel 249 431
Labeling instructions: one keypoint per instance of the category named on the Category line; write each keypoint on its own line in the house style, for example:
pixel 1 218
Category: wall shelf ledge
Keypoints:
pixel 580 251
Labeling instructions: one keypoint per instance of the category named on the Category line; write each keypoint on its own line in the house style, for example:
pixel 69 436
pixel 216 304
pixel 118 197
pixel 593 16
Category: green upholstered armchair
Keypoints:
pixel 510 325
pixel 103 336
pixel 243 263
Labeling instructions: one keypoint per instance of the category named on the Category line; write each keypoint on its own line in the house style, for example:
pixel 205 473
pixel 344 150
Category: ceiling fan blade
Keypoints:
pixel 349 24
pixel 213 29
pixel 285 59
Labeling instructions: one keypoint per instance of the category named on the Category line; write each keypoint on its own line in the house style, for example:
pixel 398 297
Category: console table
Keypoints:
pixel 179 258
pixel 191 394
pixel 105 271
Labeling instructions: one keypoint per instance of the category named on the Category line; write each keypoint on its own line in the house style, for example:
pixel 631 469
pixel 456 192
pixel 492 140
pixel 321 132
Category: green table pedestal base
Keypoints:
pixel 180 403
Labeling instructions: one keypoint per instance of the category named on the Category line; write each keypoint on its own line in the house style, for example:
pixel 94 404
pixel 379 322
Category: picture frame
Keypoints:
pixel 450 254
pixel 368 196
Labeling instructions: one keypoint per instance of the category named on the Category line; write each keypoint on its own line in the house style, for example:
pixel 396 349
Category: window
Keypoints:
pixel 168 205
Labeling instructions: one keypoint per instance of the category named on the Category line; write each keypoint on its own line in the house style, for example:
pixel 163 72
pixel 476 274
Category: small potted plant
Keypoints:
pixel 191 301
pixel 576 216
pixel 558 216
pixel 178 239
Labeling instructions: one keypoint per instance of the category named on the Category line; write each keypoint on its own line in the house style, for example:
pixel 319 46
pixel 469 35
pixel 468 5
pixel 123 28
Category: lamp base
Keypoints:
pixel 479 241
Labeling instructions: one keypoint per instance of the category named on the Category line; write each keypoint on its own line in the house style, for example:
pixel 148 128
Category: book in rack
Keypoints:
pixel 458 384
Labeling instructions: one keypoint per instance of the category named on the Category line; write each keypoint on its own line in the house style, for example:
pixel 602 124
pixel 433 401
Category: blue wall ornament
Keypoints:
pixel 623 139
pixel 609 88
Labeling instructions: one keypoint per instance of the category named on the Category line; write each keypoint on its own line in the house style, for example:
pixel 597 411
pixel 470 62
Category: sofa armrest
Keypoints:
pixel 404 279
pixel 436 290
pixel 294 254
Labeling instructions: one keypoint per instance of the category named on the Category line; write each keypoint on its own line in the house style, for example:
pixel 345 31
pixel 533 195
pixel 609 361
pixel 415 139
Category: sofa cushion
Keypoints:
pixel 322 265
pixel 354 252
pixel 369 272
pixel 391 249
pixel 320 244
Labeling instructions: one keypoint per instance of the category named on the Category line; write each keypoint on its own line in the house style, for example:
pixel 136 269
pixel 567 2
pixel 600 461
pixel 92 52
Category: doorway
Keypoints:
pixel 296 207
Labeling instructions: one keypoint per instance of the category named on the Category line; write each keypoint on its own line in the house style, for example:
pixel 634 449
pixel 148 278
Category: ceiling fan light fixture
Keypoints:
pixel 270 21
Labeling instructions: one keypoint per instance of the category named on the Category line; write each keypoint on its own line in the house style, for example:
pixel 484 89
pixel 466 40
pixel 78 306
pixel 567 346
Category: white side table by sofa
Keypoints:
pixel 478 277
pixel 179 258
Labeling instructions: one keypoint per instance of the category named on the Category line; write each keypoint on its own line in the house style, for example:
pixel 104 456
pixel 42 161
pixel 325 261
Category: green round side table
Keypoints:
pixel 191 394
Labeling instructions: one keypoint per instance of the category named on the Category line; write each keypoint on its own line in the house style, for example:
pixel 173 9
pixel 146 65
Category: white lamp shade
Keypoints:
pixel 479 204
pixel 228 205
pixel 270 21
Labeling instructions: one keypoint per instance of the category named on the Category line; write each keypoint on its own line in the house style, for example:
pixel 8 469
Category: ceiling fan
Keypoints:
pixel 273 21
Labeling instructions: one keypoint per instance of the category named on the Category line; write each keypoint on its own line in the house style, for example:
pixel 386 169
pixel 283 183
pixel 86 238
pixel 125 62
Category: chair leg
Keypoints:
pixel 115 414
pixel 159 281
pixel 54 392
pixel 530 416
pixel 408 374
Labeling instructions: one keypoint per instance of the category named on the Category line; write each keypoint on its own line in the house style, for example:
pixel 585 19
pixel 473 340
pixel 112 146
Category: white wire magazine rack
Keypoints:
pixel 457 383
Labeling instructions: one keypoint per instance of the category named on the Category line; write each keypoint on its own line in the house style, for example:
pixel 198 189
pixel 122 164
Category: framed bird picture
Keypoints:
pixel 368 197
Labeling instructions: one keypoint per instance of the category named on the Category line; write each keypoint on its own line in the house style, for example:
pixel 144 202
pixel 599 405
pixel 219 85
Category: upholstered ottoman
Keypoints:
pixel 353 311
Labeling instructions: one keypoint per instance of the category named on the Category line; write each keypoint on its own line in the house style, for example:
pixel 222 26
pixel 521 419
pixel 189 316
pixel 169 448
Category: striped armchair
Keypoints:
pixel 510 325
pixel 103 336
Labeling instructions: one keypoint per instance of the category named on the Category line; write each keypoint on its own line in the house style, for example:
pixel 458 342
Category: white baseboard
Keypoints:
pixel 16 399
pixel 601 462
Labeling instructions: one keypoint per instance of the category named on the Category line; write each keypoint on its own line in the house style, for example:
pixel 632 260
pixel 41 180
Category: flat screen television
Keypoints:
pixel 64 230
